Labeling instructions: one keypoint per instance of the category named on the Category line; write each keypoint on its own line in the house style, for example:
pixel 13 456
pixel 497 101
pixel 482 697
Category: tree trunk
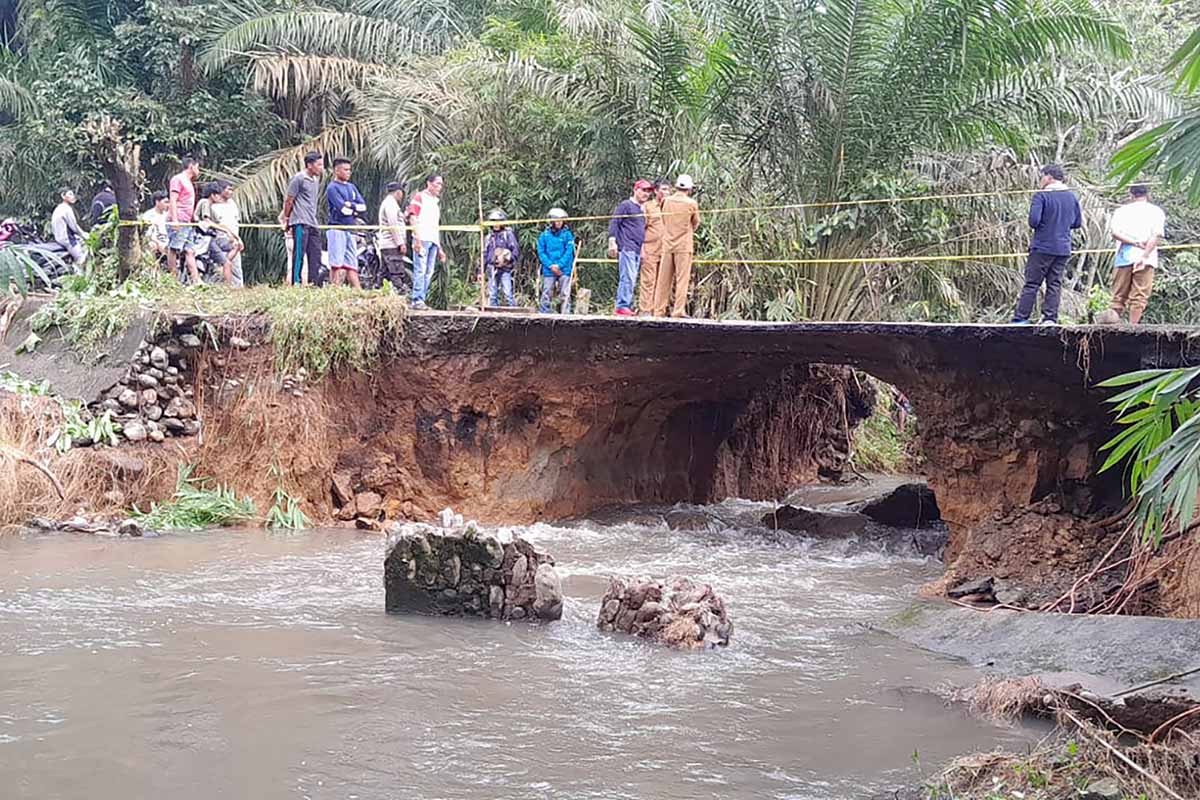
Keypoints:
pixel 123 170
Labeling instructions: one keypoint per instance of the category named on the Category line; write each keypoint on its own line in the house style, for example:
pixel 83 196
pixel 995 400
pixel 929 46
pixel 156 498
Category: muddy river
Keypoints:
pixel 252 665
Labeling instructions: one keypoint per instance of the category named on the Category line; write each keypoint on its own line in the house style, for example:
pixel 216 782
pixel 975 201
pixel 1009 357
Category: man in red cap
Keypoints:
pixel 626 232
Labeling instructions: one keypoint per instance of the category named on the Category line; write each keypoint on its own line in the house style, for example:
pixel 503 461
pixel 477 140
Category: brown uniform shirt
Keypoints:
pixel 681 217
pixel 654 227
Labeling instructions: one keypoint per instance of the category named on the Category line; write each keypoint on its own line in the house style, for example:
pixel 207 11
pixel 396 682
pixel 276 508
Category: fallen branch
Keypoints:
pixel 1173 721
pixel 1184 674
pixel 1124 758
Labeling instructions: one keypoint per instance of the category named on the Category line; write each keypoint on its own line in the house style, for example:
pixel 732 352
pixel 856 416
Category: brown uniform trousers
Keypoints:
pixel 681 217
pixel 1131 289
pixel 651 256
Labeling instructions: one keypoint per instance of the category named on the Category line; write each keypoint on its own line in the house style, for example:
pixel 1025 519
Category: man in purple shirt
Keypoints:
pixel 626 232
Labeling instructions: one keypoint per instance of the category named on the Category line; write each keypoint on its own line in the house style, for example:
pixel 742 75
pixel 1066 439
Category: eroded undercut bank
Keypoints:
pixel 516 419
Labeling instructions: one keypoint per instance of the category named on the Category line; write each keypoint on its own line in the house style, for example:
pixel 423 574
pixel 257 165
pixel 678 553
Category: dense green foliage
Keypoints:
pixel 1158 446
pixel 530 103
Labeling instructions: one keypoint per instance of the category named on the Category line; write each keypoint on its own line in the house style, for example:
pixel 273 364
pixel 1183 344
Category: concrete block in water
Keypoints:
pixel 674 611
pixel 462 570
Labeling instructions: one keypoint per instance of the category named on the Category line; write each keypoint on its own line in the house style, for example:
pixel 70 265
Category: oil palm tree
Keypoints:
pixel 1173 146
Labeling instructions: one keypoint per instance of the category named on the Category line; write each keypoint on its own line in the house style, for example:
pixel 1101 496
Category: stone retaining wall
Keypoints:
pixel 460 570
pixel 674 611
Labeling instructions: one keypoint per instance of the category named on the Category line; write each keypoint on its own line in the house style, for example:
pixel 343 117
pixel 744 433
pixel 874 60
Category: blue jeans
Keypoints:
pixel 551 286
pixel 497 282
pixel 424 266
pixel 628 264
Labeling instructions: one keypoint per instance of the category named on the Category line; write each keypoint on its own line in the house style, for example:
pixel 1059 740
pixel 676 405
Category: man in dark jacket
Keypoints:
pixel 1053 214
pixel 501 252
pixel 102 205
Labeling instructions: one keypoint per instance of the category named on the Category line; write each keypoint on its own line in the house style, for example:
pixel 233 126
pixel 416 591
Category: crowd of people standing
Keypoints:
pixel 651 235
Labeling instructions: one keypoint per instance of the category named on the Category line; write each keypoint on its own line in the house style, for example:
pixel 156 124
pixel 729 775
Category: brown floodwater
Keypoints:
pixel 254 665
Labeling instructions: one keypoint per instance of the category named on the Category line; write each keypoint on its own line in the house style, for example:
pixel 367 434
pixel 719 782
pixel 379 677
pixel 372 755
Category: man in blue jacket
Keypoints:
pixel 1053 214
pixel 556 251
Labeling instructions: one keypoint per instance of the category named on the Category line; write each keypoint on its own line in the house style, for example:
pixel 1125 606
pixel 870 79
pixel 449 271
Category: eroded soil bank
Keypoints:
pixel 516 419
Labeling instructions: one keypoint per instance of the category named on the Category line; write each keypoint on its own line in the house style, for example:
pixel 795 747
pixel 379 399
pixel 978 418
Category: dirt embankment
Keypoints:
pixel 518 419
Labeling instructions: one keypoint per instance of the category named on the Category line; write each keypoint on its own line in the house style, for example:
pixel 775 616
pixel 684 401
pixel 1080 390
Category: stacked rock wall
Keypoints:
pixel 675 611
pixel 460 570
pixel 155 398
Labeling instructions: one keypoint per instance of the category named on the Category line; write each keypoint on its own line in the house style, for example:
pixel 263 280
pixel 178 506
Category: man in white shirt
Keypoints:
pixel 66 230
pixel 1137 226
pixel 155 218
pixel 226 213
pixel 426 214
pixel 391 236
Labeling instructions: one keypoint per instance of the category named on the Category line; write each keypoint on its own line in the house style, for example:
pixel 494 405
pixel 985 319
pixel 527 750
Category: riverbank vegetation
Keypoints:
pixel 535 103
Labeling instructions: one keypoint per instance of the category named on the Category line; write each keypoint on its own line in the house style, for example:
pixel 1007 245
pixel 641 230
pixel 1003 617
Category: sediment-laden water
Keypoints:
pixel 254 665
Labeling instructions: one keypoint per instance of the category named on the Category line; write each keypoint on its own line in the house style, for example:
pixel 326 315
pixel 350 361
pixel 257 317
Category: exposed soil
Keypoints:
pixel 514 419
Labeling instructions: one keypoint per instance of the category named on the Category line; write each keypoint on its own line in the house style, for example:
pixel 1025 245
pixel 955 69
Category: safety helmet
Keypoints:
pixel 557 213
pixel 497 215
pixel 684 182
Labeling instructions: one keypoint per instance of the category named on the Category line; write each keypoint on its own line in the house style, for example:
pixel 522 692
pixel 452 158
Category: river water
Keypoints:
pixel 253 665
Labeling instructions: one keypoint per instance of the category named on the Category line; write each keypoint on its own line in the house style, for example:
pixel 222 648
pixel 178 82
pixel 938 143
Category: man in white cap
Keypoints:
pixel 681 217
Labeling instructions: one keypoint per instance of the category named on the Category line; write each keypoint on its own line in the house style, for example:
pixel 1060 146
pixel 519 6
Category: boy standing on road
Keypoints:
pixel 181 207
pixel 1137 226
pixel 1053 214
pixel 346 204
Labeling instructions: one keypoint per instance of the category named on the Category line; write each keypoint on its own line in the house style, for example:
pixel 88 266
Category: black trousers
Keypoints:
pixel 395 270
pixel 1041 267
pixel 306 241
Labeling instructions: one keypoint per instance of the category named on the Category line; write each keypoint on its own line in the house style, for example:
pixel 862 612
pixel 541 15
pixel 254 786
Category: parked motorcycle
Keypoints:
pixel 52 260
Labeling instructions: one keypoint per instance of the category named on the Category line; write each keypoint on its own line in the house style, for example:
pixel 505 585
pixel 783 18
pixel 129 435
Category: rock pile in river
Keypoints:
pixel 674 611
pixel 460 570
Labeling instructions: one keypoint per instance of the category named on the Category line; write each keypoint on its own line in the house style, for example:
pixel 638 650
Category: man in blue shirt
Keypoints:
pixel 1053 214
pixel 346 205
pixel 626 233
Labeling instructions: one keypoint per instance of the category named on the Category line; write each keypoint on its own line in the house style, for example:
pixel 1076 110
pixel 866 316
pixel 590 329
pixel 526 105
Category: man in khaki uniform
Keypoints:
pixel 681 217
pixel 652 246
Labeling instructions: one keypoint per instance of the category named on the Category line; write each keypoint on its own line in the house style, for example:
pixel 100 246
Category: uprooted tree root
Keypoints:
pixel 1088 745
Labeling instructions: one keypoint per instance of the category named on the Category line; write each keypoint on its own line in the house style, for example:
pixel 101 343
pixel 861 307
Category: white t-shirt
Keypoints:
pixel 156 227
pixel 1138 220
pixel 390 214
pixel 227 213
pixel 426 211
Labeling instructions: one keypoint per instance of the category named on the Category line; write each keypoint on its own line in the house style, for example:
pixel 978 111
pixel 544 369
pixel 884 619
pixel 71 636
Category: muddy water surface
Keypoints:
pixel 251 665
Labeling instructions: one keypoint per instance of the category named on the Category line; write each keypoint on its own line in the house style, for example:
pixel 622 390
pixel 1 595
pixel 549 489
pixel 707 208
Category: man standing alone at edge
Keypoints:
pixel 1053 214
pixel 626 233
pixel 181 208
pixel 391 237
pixel 1137 226
pixel 346 204
pixel 652 246
pixel 426 213
pixel 681 217
pixel 299 219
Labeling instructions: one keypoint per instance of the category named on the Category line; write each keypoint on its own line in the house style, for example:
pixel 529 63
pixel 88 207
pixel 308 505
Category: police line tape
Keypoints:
pixel 887 259
pixel 484 224
pixel 721 261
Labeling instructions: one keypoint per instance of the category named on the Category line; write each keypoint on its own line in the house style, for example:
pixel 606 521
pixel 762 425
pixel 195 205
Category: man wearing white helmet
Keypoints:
pixel 681 217
pixel 556 251
pixel 501 252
